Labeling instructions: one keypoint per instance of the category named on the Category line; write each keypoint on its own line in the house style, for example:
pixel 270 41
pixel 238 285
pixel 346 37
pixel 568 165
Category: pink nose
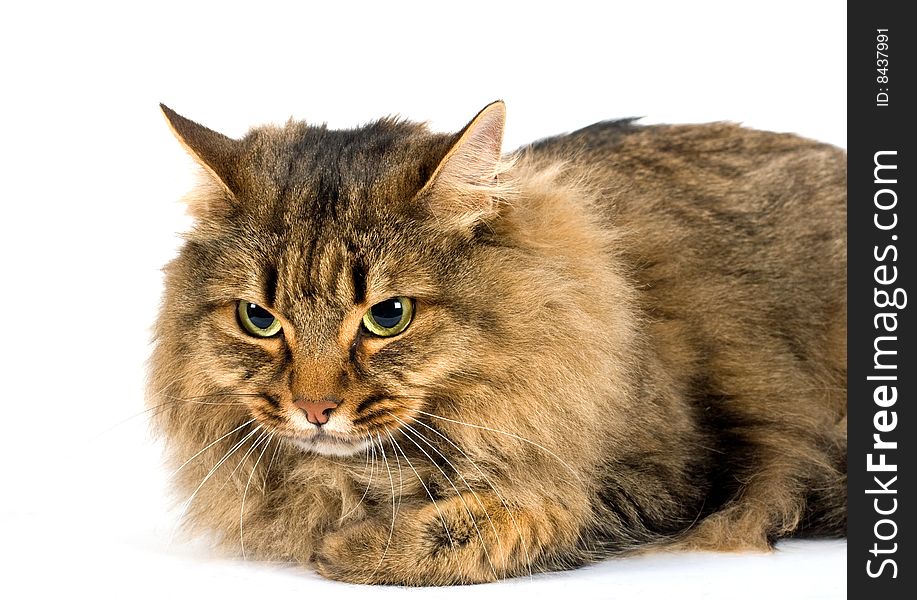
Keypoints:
pixel 316 412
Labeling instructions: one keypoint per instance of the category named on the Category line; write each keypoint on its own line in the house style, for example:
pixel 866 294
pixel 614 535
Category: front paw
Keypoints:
pixel 370 552
pixel 417 552
pixel 353 554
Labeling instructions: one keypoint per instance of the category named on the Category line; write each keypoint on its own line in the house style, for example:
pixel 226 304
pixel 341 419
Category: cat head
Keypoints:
pixel 332 284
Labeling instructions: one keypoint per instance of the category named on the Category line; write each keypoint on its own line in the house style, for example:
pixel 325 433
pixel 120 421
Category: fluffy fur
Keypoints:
pixel 626 338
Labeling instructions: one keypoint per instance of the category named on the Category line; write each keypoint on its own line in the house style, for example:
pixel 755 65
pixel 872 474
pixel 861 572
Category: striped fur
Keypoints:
pixel 626 338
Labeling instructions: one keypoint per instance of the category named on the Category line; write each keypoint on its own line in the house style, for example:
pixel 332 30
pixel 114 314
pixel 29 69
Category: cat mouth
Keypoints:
pixel 330 444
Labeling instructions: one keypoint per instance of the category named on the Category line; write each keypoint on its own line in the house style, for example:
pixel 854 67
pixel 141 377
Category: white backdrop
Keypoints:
pixel 91 179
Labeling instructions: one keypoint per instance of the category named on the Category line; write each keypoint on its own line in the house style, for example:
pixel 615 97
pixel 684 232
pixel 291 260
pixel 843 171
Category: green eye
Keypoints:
pixel 257 321
pixel 390 317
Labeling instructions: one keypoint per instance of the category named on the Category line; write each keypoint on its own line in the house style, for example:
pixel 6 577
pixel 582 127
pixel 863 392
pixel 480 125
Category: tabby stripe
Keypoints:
pixel 369 401
pixel 358 275
pixel 270 286
pixel 370 419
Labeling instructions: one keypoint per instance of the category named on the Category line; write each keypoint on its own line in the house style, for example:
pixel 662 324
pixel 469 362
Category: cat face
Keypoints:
pixel 331 286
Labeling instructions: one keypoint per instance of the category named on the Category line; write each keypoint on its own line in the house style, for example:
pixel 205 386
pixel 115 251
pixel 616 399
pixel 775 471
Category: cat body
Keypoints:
pixel 621 339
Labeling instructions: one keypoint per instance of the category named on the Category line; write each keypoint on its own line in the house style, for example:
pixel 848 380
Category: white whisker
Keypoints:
pixel 471 516
pixel 506 433
pixel 204 449
pixel 391 529
pixel 208 476
pixel 470 489
pixel 270 465
pixel 261 437
pixel 248 483
pixel 150 410
pixel 400 473
pixel 493 487
pixel 372 468
pixel 183 377
pixel 435 505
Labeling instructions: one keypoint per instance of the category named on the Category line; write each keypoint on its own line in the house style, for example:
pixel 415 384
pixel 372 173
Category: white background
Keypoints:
pixel 91 179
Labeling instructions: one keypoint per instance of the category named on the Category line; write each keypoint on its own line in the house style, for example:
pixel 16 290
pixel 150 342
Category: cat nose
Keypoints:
pixel 317 412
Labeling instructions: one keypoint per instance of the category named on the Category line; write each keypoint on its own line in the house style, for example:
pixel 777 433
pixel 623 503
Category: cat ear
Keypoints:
pixel 213 151
pixel 465 186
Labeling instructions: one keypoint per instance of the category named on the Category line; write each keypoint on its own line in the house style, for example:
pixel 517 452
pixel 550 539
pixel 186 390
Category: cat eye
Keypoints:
pixel 390 317
pixel 256 320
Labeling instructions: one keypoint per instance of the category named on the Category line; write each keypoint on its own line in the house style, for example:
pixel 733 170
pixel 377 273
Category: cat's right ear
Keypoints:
pixel 216 153
pixel 469 182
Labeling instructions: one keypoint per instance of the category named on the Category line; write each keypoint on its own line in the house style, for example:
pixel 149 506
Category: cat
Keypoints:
pixel 403 357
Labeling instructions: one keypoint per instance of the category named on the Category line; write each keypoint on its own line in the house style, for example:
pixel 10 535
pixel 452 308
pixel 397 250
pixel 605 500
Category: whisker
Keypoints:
pixel 213 470
pixel 400 473
pixel 372 468
pixel 205 403
pixel 219 395
pixel 200 399
pixel 163 405
pixel 468 485
pixel 455 489
pixel 204 449
pixel 185 376
pixel 492 487
pixel 391 529
pixel 245 492
pixel 512 435
pixel 261 437
pixel 130 418
pixel 179 379
pixel 442 519
pixel 270 465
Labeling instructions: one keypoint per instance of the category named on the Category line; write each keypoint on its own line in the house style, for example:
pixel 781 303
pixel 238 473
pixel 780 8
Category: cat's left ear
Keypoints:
pixel 215 152
pixel 466 185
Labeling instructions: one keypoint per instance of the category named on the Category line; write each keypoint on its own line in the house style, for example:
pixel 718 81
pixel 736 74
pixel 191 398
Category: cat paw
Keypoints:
pixel 415 553
pixel 367 553
pixel 354 554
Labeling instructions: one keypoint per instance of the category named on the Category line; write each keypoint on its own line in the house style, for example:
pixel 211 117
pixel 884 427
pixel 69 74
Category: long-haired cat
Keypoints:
pixel 404 357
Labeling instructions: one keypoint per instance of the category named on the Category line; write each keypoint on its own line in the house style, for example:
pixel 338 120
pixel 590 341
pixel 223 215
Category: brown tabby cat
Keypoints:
pixel 404 358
